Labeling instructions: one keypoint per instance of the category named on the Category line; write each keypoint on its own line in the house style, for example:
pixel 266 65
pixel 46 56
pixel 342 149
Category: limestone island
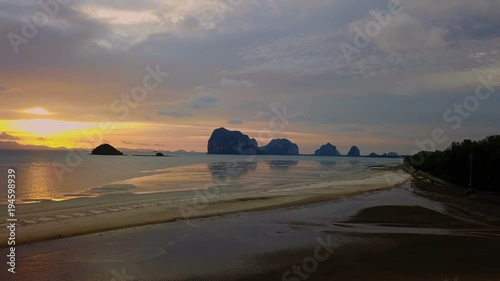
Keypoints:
pixel 224 141
pixel 327 150
pixel 280 147
pixel 354 152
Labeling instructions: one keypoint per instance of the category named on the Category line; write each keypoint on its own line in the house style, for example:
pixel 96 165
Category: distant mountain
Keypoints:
pixel 182 151
pixel 327 150
pixel 280 147
pixel 12 145
pixel 354 152
pixel 385 155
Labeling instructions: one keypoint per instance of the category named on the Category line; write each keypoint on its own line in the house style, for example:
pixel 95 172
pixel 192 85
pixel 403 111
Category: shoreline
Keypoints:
pixel 54 220
pixel 390 234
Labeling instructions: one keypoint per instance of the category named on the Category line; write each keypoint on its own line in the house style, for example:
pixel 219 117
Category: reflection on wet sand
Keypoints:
pixel 281 165
pixel 354 162
pixel 328 163
pixel 327 167
pixel 222 171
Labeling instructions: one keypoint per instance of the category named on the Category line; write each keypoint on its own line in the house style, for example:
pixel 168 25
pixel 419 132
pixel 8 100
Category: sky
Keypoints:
pixel 162 75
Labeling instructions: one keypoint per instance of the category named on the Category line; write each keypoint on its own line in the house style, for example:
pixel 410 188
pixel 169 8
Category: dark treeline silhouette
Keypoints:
pixel 453 164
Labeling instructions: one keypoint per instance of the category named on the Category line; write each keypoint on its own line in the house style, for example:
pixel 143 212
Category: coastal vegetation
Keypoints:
pixel 463 163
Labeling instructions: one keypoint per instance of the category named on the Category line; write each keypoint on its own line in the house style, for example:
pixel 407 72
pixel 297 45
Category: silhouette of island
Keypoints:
pixel 106 149
pixel 354 152
pixel 223 141
pixel 280 147
pixel 327 150
pixel 385 155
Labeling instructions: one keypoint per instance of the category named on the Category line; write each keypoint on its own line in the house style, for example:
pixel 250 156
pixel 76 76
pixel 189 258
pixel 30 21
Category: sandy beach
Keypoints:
pixel 209 140
pixel 397 233
pixel 53 220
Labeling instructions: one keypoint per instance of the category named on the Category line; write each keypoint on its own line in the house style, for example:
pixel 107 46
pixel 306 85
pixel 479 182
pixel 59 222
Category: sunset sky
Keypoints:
pixel 269 68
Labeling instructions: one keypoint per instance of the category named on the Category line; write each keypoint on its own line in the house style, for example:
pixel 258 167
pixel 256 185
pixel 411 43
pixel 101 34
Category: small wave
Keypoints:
pixel 114 188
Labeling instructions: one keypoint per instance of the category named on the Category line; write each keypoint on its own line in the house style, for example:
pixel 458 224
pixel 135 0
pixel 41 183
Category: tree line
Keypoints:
pixel 454 164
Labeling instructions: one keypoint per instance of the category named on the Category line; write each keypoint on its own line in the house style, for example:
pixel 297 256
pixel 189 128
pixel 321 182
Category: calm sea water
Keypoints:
pixel 37 172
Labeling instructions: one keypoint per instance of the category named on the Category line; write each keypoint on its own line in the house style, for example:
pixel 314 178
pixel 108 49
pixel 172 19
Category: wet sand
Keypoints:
pixel 55 220
pixel 402 233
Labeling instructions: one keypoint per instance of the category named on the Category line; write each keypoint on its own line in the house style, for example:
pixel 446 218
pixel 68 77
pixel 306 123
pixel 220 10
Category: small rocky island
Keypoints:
pixel 224 141
pixel 327 150
pixel 280 147
pixel 354 152
pixel 106 149
pixel 385 155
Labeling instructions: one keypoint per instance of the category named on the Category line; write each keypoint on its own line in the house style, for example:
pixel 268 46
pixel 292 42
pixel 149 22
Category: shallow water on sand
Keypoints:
pixel 54 175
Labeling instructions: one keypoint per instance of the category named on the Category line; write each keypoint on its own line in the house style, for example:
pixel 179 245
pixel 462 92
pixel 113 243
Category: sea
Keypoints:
pixel 57 175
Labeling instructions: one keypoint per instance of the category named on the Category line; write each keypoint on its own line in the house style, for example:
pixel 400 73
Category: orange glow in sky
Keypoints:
pixel 56 133
pixel 45 127
pixel 37 111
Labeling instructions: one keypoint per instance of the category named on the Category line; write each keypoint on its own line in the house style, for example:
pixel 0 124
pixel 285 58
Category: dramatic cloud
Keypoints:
pixel 236 84
pixel 204 100
pixel 175 114
pixel 9 90
pixel 353 128
pixel 235 121
pixel 406 34
pixel 230 60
